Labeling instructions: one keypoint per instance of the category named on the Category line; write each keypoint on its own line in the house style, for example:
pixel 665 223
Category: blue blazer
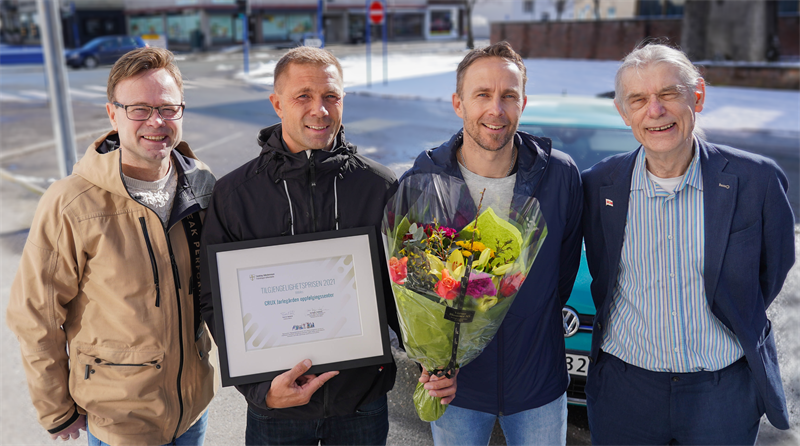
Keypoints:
pixel 749 249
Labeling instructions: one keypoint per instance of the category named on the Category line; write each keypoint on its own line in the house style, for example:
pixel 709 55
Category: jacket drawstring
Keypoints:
pixel 291 213
pixel 335 203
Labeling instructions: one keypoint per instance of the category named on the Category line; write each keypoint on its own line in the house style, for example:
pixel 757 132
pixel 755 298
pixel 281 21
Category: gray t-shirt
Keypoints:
pixel 499 191
pixel 156 195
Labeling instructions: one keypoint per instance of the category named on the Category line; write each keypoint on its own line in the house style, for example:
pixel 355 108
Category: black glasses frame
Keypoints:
pixel 125 107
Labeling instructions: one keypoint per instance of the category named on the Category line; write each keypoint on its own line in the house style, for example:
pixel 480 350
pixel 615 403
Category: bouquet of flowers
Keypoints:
pixel 455 269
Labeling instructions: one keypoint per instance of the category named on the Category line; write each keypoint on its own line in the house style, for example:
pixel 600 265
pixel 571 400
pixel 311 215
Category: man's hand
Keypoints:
pixel 73 431
pixel 293 388
pixel 439 386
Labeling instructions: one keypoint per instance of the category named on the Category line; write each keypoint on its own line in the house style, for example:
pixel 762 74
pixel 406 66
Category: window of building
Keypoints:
pixel 146 26
pixel 180 27
pixel 527 6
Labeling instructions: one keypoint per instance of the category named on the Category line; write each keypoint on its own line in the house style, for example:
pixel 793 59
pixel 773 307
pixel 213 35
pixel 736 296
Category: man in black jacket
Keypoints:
pixel 308 178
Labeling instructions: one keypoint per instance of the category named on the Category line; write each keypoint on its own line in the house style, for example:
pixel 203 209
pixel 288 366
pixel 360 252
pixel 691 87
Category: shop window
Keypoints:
pixel 221 28
pixel 180 27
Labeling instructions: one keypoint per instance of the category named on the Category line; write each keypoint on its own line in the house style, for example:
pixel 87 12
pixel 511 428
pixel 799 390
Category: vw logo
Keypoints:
pixel 571 321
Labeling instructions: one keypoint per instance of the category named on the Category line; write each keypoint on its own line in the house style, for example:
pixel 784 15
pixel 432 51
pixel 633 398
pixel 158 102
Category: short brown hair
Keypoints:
pixel 500 49
pixel 303 55
pixel 140 60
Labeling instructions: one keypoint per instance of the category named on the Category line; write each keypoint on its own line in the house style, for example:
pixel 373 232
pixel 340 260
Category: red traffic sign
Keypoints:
pixel 376 13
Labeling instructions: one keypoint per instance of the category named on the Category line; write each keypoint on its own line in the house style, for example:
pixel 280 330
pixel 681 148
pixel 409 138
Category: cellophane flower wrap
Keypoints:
pixel 453 283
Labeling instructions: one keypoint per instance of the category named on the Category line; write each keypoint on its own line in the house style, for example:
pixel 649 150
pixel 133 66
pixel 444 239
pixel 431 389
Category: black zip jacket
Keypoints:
pixel 282 193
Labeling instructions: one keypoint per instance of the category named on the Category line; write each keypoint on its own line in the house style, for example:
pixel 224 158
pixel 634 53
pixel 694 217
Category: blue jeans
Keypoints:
pixel 192 437
pixel 368 426
pixel 546 425
pixel 628 405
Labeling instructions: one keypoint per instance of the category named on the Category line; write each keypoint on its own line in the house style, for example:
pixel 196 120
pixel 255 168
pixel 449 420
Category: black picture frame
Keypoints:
pixel 227 259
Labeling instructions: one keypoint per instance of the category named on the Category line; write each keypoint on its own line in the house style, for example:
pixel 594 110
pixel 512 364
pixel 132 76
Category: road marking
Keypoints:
pixel 47 144
pixel 209 82
pixel 5 97
pixel 34 94
pixel 86 94
pixel 24 182
pixel 218 142
pixel 371 125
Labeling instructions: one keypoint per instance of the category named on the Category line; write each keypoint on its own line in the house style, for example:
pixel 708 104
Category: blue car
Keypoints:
pixel 103 51
pixel 588 129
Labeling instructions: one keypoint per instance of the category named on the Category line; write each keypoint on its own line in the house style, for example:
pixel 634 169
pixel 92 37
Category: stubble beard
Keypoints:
pixel 489 143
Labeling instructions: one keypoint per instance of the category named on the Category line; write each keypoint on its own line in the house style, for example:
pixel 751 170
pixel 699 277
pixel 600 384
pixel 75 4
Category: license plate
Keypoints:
pixel 577 364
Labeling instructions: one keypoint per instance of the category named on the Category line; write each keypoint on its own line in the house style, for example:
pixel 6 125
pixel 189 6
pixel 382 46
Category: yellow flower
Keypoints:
pixel 475 247
pixel 455 263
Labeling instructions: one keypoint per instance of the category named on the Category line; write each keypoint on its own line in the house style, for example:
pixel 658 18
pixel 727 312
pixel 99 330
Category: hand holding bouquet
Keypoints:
pixel 455 269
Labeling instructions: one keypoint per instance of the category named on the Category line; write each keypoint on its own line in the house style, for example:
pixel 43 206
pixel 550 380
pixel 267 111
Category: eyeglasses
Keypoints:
pixel 144 112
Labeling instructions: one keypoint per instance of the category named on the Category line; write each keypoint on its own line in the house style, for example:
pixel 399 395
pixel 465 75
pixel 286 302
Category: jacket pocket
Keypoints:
pixel 769 357
pixel 120 388
pixel 746 234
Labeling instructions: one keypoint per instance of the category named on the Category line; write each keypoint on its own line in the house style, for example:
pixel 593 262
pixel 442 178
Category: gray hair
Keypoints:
pixel 652 54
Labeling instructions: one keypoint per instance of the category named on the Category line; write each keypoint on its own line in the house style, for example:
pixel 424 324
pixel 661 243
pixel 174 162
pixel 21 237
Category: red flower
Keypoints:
pixel 510 284
pixel 447 287
pixel 398 270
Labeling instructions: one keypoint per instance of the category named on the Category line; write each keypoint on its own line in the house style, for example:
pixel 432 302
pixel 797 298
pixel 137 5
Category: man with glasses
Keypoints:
pixel 103 301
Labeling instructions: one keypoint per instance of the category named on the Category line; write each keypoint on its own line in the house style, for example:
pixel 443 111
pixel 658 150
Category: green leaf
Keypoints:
pixel 495 232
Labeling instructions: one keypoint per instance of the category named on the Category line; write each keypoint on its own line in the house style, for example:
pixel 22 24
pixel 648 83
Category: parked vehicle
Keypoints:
pixel 588 129
pixel 103 51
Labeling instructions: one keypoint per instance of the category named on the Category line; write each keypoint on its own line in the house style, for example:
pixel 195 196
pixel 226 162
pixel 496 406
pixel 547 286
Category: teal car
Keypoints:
pixel 589 129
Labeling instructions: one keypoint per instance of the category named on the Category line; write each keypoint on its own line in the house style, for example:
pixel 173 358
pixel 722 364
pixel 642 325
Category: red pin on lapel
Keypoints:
pixel 609 203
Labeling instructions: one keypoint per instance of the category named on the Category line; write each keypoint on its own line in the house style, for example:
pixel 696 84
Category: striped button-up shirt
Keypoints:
pixel 659 318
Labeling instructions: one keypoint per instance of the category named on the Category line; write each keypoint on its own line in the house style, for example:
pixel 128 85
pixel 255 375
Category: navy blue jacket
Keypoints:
pixel 749 249
pixel 523 367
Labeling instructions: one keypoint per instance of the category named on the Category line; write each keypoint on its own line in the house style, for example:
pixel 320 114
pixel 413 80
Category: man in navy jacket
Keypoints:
pixel 521 376
pixel 688 243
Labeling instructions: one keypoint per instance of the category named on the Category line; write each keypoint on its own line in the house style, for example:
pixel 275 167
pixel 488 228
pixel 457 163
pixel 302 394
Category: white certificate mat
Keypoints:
pixel 297 303
pixel 279 301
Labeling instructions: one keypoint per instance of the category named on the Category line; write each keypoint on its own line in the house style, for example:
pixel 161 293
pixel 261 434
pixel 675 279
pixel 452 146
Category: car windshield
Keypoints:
pixel 95 43
pixel 586 146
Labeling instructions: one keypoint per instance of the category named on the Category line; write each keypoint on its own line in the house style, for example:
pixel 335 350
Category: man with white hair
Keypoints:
pixel 688 243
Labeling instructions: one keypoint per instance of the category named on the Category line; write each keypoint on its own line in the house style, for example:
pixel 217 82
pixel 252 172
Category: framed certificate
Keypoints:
pixel 278 301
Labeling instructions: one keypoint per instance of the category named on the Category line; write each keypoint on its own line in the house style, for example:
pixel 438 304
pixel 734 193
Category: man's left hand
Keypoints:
pixel 73 431
pixel 444 388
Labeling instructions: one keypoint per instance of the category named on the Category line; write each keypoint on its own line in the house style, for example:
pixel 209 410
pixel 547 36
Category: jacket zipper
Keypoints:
pixel 153 263
pixel 180 331
pixel 312 179
pixel 89 370
pixel 500 368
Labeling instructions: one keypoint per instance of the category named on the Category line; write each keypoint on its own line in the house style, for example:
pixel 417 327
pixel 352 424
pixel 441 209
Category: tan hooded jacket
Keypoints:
pixel 103 304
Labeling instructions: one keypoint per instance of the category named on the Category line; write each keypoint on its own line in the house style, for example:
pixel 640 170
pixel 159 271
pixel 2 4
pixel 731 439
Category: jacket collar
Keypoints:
pixel 101 165
pixel 281 164
pixel 533 159
pixel 720 190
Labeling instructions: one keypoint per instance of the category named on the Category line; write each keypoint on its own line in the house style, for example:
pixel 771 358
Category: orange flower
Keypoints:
pixel 447 287
pixel 398 270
